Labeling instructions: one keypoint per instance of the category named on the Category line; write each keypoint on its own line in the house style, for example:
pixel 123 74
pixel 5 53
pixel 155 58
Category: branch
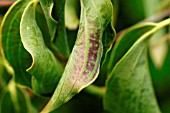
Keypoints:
pixel 95 90
pixel 6 3
pixel 157 17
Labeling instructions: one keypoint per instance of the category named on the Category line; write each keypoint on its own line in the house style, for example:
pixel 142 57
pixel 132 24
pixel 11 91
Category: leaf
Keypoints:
pixel 84 62
pixel 161 78
pixel 107 40
pixel 157 50
pixel 12 48
pixel 45 68
pixel 129 87
pixel 71 17
pixel 60 41
pixel 125 40
pixel 150 7
pixel 47 6
pixel 130 12
pixel 115 11
pixel 42 24
pixel 15 101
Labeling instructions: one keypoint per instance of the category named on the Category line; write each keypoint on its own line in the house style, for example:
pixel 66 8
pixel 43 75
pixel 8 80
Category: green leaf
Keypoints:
pixel 47 6
pixel 45 68
pixel 115 11
pixel 130 12
pixel 42 24
pixel 71 17
pixel 15 100
pixel 84 62
pixel 107 40
pixel 161 79
pixel 60 41
pixel 125 40
pixel 129 86
pixel 12 48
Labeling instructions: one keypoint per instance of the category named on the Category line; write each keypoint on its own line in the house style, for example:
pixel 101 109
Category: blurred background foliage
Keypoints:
pixel 126 14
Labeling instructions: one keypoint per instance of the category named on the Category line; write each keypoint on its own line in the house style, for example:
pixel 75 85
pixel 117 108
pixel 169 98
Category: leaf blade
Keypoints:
pixel 45 68
pixel 129 82
pixel 47 6
pixel 60 42
pixel 84 62
pixel 11 43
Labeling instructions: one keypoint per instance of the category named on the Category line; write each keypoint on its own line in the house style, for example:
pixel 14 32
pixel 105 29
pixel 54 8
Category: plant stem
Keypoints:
pixel 157 17
pixel 6 3
pixel 95 90
pixel 155 29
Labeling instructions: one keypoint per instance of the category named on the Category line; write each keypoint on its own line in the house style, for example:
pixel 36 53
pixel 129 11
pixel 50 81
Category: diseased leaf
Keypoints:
pixel 84 62
pixel 60 41
pixel 12 48
pixel 129 86
pixel 71 17
pixel 45 68
pixel 47 6
pixel 125 40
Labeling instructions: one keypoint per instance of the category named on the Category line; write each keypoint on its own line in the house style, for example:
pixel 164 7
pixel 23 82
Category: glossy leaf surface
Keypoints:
pixel 84 62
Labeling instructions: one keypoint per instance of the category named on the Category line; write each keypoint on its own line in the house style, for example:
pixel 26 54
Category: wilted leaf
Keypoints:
pixel 84 62
pixel 45 68
pixel 12 47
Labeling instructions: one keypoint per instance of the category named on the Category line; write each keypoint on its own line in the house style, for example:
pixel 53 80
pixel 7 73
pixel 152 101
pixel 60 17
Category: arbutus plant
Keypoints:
pixel 65 56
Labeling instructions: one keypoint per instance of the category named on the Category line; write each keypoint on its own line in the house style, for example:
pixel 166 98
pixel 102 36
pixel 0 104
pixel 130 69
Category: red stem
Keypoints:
pixel 6 3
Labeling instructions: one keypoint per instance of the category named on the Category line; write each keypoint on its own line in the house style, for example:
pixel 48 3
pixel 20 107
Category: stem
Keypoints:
pixel 155 29
pixel 158 16
pixel 161 25
pixel 6 3
pixel 95 90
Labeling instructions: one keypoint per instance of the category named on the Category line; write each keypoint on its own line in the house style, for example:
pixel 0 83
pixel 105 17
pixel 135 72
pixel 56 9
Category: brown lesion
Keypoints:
pixel 90 66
